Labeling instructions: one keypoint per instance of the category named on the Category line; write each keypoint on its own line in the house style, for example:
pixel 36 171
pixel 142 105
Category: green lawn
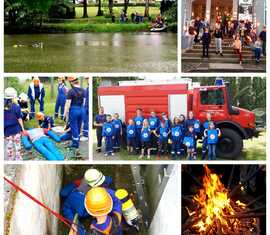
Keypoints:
pixel 254 149
pixel 92 11
pixel 101 23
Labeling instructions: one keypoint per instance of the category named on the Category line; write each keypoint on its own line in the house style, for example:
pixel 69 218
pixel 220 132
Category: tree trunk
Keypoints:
pixel 126 3
pixel 146 11
pixel 99 13
pixel 85 15
pixel 111 7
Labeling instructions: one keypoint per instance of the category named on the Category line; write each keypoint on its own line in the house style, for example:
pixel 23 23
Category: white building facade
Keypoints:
pixel 253 10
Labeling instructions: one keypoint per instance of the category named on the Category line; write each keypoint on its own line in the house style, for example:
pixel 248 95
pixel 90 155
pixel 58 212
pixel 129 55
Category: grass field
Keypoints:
pixel 49 105
pixel 254 149
pixel 102 23
pixel 92 11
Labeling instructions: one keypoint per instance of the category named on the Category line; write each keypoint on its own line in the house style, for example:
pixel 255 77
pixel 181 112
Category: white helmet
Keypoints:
pixel 94 177
pixel 23 97
pixel 10 93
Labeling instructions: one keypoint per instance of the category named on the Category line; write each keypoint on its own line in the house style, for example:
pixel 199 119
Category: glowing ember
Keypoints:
pixel 215 212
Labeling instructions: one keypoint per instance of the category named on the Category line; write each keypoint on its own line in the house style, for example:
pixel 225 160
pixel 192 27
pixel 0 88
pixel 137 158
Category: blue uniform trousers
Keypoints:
pixel 76 114
pixel 48 149
pixel 60 105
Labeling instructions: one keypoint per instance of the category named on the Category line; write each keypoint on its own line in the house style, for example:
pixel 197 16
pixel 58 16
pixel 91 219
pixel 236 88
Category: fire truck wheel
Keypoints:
pixel 230 144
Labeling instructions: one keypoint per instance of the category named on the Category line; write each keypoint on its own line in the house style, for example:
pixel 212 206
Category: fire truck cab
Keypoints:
pixel 177 98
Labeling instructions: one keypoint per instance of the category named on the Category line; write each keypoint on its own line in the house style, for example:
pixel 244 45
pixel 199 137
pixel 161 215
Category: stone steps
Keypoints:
pixel 213 54
pixel 219 59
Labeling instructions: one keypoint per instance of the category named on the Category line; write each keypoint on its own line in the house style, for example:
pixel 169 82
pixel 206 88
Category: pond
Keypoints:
pixel 91 52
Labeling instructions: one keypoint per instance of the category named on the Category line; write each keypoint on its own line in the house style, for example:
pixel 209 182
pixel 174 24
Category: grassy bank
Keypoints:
pixel 95 23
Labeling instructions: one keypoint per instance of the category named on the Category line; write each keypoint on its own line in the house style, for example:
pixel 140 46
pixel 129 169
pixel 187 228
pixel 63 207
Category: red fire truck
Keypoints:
pixel 236 124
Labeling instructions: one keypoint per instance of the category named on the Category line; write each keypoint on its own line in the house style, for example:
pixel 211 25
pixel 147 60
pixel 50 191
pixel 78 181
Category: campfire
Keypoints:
pixel 213 211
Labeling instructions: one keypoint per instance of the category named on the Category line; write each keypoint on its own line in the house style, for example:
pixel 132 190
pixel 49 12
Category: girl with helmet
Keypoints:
pixel 61 98
pixel 74 110
pixel 13 124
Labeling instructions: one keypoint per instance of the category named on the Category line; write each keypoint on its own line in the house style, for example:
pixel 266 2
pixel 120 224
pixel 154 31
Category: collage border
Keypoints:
pixel 127 162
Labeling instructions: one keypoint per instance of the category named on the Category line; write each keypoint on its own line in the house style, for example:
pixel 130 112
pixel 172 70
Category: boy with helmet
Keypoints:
pixel 13 124
pixel 44 121
pixel 23 103
pixel 106 208
pixel 74 193
pixel 74 110
pixel 61 98
pixel 36 92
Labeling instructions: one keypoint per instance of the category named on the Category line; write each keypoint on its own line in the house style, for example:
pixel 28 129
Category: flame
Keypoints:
pixel 214 204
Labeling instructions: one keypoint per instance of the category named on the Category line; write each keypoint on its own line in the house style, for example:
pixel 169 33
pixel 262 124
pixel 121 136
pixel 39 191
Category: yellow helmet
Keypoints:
pixel 98 202
pixel 94 177
pixel 39 116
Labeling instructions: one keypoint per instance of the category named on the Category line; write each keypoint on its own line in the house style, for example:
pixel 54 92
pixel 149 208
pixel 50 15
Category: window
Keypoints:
pixel 212 97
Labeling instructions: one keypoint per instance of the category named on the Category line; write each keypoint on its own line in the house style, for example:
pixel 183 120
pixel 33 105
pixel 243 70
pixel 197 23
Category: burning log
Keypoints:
pixel 214 212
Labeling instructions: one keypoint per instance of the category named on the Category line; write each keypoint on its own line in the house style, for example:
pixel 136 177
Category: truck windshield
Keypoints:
pixel 212 97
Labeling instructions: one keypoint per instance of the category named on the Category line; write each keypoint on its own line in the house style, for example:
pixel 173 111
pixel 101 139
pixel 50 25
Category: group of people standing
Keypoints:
pixel 242 33
pixel 71 102
pixel 154 135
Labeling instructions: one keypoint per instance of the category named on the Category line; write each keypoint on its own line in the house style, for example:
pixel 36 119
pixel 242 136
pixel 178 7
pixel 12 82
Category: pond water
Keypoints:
pixel 91 52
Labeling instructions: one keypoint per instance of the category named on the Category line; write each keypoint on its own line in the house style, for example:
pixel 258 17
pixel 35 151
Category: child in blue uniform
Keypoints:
pixel 13 125
pixel 108 132
pixel 183 129
pixel 44 121
pixel 61 98
pixel 205 126
pixel 138 120
pixel 189 142
pixel 176 138
pixel 74 107
pixel 192 121
pixel 131 136
pixel 154 123
pixel 117 123
pixel 145 139
pixel 212 134
pixel 163 137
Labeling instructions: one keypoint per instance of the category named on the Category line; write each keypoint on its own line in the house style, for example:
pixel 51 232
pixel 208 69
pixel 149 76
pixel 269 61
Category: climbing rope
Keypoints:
pixel 56 214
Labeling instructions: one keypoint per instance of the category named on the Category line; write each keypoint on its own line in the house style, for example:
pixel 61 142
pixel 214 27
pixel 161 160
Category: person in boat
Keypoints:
pixel 159 22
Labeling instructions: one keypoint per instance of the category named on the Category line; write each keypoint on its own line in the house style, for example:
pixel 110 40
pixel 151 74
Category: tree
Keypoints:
pixel 126 3
pixel 111 7
pixel 99 12
pixel 85 15
pixel 146 10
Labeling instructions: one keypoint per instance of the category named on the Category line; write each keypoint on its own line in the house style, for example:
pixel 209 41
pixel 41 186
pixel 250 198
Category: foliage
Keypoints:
pixel 171 13
pixel 27 12
pixel 62 9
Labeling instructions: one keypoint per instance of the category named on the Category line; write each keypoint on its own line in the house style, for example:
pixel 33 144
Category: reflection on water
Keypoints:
pixel 91 52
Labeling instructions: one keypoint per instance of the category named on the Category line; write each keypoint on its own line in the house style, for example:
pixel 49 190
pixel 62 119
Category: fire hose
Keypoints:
pixel 56 214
